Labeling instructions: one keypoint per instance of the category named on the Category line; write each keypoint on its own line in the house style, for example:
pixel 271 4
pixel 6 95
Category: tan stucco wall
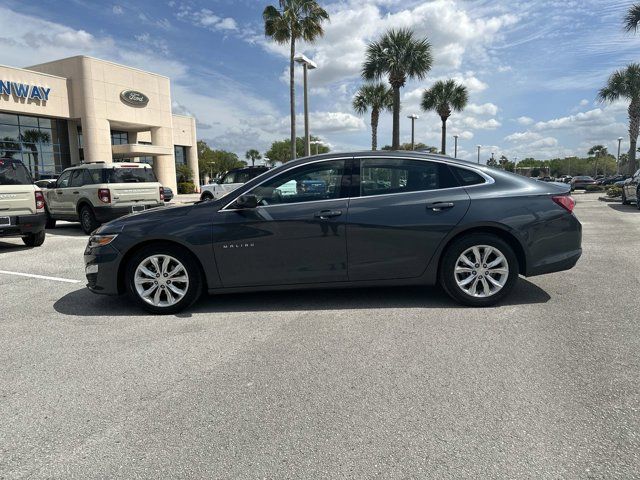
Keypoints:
pixel 184 133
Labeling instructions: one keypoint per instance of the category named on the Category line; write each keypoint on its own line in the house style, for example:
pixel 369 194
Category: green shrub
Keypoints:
pixel 185 188
pixel 594 188
pixel 614 191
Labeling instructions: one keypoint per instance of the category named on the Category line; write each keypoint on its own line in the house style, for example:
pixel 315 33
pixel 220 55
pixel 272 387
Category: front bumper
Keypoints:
pixel 101 269
pixel 24 225
pixel 106 214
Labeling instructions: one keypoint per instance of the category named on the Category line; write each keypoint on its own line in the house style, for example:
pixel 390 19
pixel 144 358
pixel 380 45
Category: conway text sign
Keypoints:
pixel 24 90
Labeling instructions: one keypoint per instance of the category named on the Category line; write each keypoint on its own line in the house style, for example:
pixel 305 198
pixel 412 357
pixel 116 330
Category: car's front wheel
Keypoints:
pixel 479 270
pixel 163 279
pixel 206 196
pixel 34 239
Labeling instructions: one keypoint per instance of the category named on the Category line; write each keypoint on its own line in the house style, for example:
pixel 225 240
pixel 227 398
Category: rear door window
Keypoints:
pixel 381 176
pixel 130 175
pixel 14 173
pixel 76 178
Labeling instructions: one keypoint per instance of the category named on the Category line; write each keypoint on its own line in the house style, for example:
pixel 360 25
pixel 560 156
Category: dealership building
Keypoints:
pixel 82 109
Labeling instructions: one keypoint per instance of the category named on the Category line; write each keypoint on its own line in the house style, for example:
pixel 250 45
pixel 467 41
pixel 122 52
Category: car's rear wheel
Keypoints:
pixel 479 270
pixel 206 196
pixel 625 201
pixel 638 198
pixel 88 220
pixel 51 222
pixel 34 239
pixel 163 279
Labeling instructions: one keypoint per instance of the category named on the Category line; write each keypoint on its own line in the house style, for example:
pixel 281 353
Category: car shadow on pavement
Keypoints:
pixel 67 230
pixel 625 208
pixel 84 303
pixel 7 247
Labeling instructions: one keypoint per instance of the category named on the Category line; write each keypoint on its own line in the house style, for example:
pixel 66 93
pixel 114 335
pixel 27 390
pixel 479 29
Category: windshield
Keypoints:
pixel 14 173
pixel 130 175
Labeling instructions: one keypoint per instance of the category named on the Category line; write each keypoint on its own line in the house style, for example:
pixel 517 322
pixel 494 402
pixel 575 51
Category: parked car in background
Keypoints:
pixel 581 181
pixel 631 190
pixel 612 180
pixel 22 211
pixel 168 194
pixel 565 178
pixel 45 183
pixel 95 193
pixel 230 181
pixel 422 219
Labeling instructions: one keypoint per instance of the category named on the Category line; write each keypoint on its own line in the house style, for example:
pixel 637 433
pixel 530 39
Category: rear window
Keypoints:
pixel 468 177
pixel 129 175
pixel 14 173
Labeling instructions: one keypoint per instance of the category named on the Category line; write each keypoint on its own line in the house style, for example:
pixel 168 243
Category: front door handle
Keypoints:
pixel 326 214
pixel 76 193
pixel 438 206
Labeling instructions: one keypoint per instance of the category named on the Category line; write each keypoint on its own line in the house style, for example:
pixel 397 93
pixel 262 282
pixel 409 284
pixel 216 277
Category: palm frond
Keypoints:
pixel 632 18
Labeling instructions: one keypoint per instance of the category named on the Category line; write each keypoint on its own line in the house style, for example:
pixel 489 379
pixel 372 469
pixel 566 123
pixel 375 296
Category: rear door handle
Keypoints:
pixel 76 193
pixel 325 214
pixel 438 206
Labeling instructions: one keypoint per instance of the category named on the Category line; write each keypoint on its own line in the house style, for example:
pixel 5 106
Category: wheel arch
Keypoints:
pixel 500 232
pixel 139 246
pixel 82 203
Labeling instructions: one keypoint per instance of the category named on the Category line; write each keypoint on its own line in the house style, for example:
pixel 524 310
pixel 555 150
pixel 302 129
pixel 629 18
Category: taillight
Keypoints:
pixel 39 201
pixel 162 193
pixel 104 195
pixel 565 201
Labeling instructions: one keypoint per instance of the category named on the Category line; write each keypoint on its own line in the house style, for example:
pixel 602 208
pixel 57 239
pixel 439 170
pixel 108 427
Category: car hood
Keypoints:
pixel 155 215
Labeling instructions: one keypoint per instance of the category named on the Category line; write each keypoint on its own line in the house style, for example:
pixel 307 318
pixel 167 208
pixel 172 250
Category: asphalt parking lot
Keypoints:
pixel 378 383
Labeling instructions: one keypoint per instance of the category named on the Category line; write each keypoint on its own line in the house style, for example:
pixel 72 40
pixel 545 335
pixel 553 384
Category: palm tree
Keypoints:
pixel 376 97
pixel 632 18
pixel 597 151
pixel 399 56
pixel 31 139
pixel 444 97
pixel 253 155
pixel 625 84
pixel 294 20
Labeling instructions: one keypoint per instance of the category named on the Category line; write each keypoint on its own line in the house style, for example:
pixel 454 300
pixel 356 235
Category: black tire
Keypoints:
pixel 638 199
pixel 88 221
pixel 206 196
pixel 194 275
pixel 34 239
pixel 456 249
pixel 624 197
pixel 51 222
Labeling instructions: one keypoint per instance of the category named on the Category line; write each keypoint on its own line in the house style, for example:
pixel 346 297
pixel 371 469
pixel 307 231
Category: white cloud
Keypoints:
pixel 117 10
pixel 523 137
pixel 207 19
pixel 525 120
pixel 484 109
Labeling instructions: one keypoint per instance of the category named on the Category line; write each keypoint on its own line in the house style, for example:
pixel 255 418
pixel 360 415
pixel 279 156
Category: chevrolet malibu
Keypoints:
pixel 371 219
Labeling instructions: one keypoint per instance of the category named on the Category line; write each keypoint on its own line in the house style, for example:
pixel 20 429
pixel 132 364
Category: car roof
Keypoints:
pixel 101 165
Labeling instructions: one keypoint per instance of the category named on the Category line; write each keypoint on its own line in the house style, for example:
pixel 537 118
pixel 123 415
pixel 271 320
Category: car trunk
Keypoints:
pixel 17 200
pixel 131 194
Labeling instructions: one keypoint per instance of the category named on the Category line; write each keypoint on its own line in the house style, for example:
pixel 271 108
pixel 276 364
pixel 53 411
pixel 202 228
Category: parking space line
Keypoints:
pixel 42 277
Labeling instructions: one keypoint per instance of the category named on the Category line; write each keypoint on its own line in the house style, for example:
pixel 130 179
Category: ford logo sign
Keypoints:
pixel 133 98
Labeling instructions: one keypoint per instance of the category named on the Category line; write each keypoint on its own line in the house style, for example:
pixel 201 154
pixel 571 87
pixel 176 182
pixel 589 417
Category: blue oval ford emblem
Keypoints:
pixel 133 98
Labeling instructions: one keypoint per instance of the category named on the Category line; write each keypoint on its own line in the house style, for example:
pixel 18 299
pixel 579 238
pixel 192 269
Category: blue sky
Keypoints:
pixel 533 68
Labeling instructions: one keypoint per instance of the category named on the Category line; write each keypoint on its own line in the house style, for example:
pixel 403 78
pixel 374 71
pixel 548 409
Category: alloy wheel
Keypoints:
pixel 481 271
pixel 161 280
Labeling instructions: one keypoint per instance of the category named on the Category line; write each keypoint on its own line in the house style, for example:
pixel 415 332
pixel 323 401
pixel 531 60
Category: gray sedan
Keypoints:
pixel 344 220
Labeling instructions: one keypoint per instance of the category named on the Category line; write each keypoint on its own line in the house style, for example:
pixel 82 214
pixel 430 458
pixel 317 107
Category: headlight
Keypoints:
pixel 100 240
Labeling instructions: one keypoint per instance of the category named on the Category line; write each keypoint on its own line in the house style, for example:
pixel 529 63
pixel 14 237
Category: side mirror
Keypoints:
pixel 247 201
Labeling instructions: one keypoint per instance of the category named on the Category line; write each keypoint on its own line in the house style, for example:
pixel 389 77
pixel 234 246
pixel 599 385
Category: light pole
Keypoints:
pixel 316 143
pixel 306 65
pixel 413 118
pixel 455 148
pixel 618 160
pixel 479 147
pixel 515 164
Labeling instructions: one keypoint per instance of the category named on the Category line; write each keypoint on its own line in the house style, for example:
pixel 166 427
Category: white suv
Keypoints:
pixel 96 193
pixel 22 212
pixel 230 181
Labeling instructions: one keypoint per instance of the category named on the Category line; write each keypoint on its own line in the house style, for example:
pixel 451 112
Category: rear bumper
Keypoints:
pixel 106 214
pixel 558 263
pixel 23 225
pixel 556 247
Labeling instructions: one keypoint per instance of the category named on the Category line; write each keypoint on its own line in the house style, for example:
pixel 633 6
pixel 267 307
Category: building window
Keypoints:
pixel 119 138
pixel 42 144
pixel 180 154
pixel 148 160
